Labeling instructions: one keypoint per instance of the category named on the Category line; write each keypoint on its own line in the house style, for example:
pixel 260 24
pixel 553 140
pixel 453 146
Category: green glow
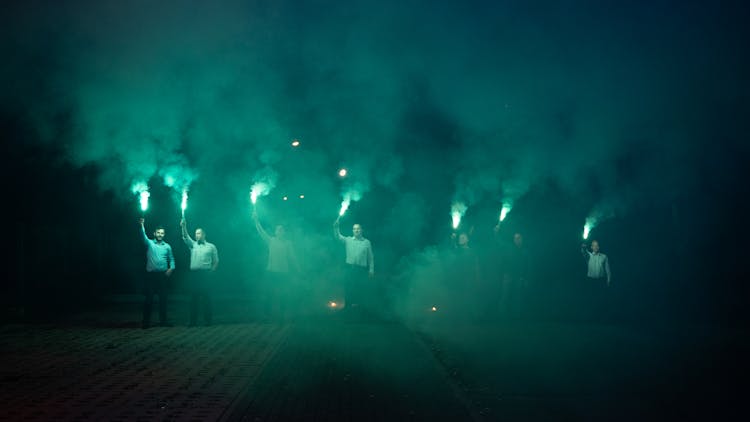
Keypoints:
pixel 140 188
pixel 344 206
pixel 350 195
pixel 505 210
pixel 342 173
pixel 590 224
pixel 144 195
pixel 258 189
pixel 458 209
pixel 183 206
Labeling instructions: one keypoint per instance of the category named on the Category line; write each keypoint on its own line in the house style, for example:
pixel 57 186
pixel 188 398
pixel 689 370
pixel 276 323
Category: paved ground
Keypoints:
pixel 327 368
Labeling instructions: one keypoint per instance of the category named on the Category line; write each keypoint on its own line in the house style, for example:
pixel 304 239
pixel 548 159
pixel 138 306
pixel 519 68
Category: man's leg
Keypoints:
pixel 193 299
pixel 148 298
pixel 162 292
pixel 206 286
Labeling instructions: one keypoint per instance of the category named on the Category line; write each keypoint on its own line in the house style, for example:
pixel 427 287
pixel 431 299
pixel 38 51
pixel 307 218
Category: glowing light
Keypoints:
pixel 333 304
pixel 144 195
pixel 434 309
pixel 258 189
pixel 302 197
pixel 350 195
pixel 505 210
pixel 141 189
pixel 183 206
pixel 342 173
pixel 285 198
pixel 590 224
pixel 344 206
pixel 458 209
pixel 295 143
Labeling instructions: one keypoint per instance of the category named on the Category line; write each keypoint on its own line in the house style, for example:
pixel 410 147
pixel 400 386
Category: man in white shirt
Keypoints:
pixel 598 279
pixel 204 258
pixel 598 264
pixel 280 296
pixel 159 267
pixel 360 266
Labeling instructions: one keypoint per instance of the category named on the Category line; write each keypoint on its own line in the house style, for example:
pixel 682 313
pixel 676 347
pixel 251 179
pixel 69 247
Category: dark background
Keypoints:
pixel 637 110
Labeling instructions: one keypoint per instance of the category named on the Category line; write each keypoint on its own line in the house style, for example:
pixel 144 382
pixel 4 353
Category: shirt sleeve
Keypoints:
pixel 606 269
pixel 337 234
pixel 370 257
pixel 214 255
pixel 188 240
pixel 170 257
pixel 262 232
pixel 146 240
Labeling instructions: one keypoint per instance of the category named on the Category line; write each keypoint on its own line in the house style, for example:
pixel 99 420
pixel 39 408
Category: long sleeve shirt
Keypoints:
pixel 358 251
pixel 281 257
pixel 203 255
pixel 598 265
pixel 159 257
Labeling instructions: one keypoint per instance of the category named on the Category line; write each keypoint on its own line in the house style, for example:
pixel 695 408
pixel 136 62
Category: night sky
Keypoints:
pixel 634 114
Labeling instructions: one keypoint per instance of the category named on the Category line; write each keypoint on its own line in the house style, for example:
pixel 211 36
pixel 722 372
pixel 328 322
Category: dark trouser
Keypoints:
pixel 357 288
pixel 200 288
pixel 155 283
pixel 595 299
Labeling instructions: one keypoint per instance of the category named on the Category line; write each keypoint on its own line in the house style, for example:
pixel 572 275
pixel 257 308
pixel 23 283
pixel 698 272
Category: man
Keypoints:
pixel 282 261
pixel 204 259
pixel 159 266
pixel 360 265
pixel 598 279
pixel 598 265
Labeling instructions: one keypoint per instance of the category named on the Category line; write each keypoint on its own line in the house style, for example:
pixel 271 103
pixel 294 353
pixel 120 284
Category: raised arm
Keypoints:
pixel 266 238
pixel 145 238
pixel 185 235
pixel 337 232
pixel 585 252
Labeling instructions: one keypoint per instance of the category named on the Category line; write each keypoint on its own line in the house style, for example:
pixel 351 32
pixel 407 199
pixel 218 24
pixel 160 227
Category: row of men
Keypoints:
pixel 360 267
pixel 204 260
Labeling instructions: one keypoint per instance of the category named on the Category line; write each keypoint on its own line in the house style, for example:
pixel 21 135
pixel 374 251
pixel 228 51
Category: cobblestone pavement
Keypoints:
pixel 127 374
pixel 330 368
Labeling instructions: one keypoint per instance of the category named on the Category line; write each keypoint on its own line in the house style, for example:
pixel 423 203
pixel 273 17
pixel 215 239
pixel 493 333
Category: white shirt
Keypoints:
pixel 359 252
pixel 598 265
pixel 203 255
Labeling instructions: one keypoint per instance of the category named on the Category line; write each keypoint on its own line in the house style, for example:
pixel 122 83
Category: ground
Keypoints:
pixel 326 367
